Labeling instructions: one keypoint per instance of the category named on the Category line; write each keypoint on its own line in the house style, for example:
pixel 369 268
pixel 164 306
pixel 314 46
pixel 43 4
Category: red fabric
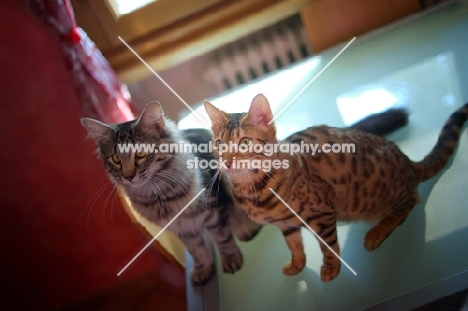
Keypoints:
pixel 64 235
pixel 101 94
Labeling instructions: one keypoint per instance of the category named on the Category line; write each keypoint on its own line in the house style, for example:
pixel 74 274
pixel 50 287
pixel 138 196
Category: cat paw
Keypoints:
pixel 293 269
pixel 373 239
pixel 232 264
pixel 328 273
pixel 199 276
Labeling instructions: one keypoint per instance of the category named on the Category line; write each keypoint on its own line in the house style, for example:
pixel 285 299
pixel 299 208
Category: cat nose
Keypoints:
pixel 228 163
pixel 130 177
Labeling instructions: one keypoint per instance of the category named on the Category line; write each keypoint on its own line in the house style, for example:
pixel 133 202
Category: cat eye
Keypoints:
pixel 115 158
pixel 245 141
pixel 140 154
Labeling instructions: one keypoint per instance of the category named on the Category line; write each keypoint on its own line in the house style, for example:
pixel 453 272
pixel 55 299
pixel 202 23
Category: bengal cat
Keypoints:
pixel 375 183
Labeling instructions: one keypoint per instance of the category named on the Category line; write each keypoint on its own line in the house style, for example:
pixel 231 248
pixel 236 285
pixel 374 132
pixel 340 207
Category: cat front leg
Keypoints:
pixel 231 257
pixel 376 235
pixel 293 238
pixel 203 260
pixel 325 227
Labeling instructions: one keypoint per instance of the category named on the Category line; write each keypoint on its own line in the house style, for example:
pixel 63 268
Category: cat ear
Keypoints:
pixel 218 119
pixel 260 112
pixel 98 130
pixel 152 118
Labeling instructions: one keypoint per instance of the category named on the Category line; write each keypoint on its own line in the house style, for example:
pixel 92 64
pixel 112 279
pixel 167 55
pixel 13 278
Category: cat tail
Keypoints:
pixel 436 160
pixel 383 123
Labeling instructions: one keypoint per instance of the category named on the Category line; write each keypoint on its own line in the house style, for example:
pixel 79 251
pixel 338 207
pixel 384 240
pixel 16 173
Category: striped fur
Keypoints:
pixel 159 185
pixel 376 183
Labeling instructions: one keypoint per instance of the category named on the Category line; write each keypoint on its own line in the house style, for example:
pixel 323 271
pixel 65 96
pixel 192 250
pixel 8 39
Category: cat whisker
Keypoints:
pixel 112 207
pixel 155 181
pixel 210 186
pixel 206 171
pixel 105 205
pixel 179 182
pixel 217 190
pixel 252 188
pixel 271 176
pixel 160 195
pixel 91 202
pixel 162 181
pixel 177 158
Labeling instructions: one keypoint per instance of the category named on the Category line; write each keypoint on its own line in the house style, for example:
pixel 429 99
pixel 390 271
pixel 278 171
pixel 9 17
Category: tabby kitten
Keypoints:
pixel 375 183
pixel 159 185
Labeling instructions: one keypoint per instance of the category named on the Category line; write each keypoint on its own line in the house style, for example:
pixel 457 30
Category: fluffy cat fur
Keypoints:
pixel 376 183
pixel 159 185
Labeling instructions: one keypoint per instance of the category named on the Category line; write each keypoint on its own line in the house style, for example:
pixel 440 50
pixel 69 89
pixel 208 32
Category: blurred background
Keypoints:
pixel 204 48
pixel 65 232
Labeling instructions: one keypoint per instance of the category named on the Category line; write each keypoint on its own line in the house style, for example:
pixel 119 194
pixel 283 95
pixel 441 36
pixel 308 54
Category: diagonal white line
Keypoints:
pixel 311 81
pixel 161 79
pixel 312 230
pixel 160 232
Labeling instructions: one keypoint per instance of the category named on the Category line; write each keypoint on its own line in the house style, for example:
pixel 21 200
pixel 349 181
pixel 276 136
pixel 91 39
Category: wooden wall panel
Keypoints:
pixel 328 22
pixel 186 35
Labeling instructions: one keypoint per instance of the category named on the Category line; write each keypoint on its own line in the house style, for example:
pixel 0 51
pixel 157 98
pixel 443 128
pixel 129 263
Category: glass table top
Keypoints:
pixel 422 64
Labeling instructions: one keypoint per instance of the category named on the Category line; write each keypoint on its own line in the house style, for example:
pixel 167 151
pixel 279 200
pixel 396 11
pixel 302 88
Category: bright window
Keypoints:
pixel 122 7
pixel 276 87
